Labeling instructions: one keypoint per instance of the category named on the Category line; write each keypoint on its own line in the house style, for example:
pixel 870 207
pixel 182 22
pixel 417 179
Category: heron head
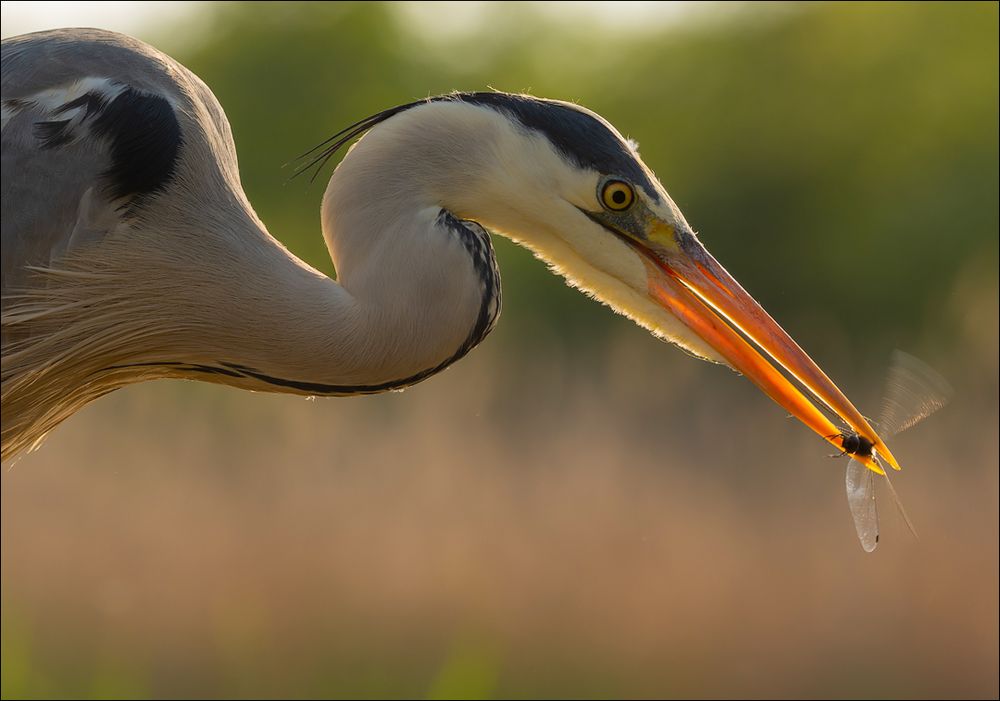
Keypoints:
pixel 565 183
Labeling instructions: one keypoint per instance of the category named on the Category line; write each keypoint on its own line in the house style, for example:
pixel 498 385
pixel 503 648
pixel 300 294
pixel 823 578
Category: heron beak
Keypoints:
pixel 686 280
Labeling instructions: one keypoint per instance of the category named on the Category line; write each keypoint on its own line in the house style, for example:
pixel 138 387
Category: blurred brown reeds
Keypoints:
pixel 481 534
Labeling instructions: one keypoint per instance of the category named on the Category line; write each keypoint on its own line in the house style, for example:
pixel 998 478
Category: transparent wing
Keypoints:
pixel 899 505
pixel 913 391
pixel 861 498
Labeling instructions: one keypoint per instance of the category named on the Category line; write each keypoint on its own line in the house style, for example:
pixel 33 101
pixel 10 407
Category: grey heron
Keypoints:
pixel 130 251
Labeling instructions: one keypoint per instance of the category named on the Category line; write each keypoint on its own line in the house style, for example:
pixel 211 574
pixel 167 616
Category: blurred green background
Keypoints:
pixel 576 509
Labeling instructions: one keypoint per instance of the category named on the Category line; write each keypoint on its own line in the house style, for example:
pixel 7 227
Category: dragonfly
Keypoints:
pixel 913 392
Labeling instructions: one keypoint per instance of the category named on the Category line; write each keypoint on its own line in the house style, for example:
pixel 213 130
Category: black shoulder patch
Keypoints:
pixel 145 140
pixel 140 130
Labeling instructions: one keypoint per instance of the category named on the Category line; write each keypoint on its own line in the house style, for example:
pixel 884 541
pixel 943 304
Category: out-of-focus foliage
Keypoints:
pixel 840 160
pixel 574 510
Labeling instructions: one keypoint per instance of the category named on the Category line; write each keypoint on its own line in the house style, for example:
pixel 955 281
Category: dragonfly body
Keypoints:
pixel 913 392
pixel 856 444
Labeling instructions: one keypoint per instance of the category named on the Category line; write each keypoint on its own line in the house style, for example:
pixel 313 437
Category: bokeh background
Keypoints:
pixel 576 509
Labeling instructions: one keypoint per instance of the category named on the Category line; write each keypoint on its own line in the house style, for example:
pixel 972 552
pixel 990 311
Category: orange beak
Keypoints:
pixel 686 280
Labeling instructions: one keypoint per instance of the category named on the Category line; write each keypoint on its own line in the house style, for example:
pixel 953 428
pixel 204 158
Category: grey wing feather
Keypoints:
pixel 86 127
pixel 48 196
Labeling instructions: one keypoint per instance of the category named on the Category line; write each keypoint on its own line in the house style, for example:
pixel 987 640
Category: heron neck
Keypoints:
pixel 272 322
pixel 407 296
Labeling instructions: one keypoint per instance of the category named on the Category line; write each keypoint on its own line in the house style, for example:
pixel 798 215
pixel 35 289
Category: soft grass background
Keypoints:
pixel 575 509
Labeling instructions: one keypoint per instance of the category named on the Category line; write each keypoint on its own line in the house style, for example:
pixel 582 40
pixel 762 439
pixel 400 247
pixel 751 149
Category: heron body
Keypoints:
pixel 130 251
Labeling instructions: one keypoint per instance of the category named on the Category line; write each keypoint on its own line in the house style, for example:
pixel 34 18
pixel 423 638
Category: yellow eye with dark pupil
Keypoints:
pixel 617 195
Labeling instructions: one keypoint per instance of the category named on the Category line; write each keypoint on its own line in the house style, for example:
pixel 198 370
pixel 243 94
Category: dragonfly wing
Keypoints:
pixel 899 505
pixel 861 499
pixel 913 391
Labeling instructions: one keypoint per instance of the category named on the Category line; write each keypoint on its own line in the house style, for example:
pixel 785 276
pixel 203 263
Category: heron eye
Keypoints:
pixel 617 195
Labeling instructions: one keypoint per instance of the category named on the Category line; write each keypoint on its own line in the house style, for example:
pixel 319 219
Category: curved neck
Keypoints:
pixel 226 303
pixel 407 299
pixel 200 289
